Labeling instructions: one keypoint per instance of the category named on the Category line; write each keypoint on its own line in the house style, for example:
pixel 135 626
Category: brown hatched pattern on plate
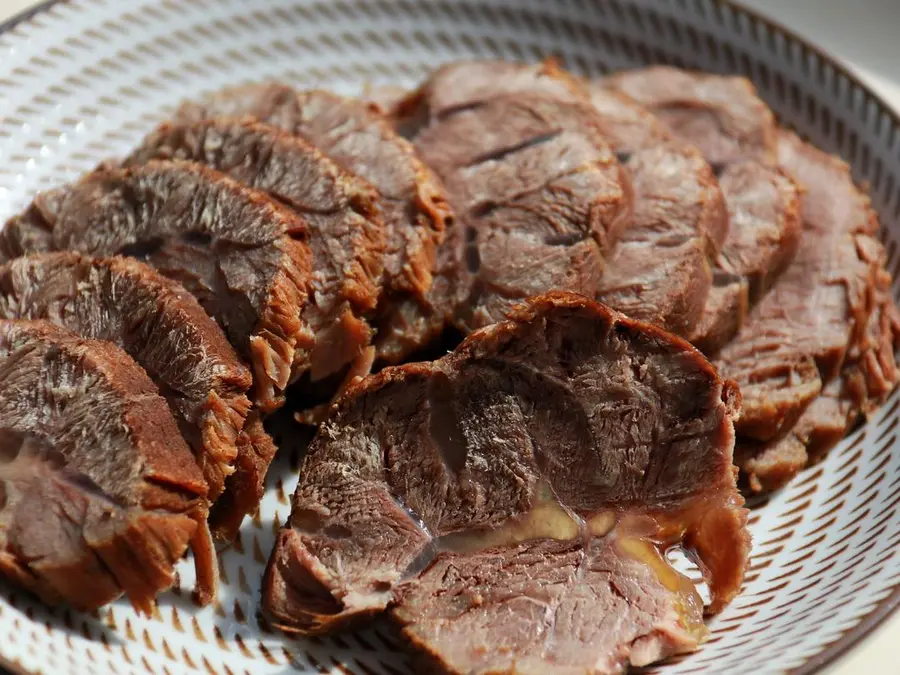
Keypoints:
pixel 84 80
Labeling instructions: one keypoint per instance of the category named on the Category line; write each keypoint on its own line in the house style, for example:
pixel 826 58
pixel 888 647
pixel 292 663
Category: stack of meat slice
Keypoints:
pixel 512 502
pixel 270 242
pixel 817 350
pixel 99 495
pixel 295 255
pixel 412 203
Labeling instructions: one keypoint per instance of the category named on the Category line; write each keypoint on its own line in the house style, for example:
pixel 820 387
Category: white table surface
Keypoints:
pixel 865 35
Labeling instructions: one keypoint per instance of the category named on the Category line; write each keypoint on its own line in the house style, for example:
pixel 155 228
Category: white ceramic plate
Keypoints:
pixel 84 80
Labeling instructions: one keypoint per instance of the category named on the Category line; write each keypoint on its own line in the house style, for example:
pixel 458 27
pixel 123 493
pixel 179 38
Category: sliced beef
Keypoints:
pixel 159 324
pixel 346 235
pixel 359 137
pixel 720 116
pixel 679 219
pixel 823 317
pixel 538 190
pixel 735 130
pixel 99 494
pixel 522 487
pixel 242 255
pixel 662 269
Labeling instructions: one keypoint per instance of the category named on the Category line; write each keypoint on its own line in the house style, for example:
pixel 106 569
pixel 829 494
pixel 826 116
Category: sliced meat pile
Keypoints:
pixel 161 326
pixel 413 204
pixel 680 221
pixel 511 503
pixel 818 350
pixel 99 494
pixel 346 236
pixel 679 216
pixel 736 132
pixel 243 256
pixel 539 192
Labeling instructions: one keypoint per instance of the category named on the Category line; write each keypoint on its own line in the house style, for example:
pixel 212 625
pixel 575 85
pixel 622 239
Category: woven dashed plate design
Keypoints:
pixel 84 80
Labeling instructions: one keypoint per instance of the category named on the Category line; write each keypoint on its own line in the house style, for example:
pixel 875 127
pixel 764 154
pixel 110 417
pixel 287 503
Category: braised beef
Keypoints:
pixel 100 494
pixel 357 136
pixel 163 328
pixel 346 236
pixel 826 327
pixel 538 190
pixel 720 116
pixel 242 255
pixel 535 472
pixel 735 130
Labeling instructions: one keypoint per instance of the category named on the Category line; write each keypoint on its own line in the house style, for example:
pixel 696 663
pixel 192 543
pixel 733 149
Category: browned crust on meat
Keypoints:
pixel 220 418
pixel 150 530
pixel 279 344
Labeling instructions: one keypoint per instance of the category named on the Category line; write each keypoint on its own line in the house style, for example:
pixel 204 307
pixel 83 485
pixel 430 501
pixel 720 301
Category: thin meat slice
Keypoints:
pixel 100 494
pixel 159 324
pixel 243 256
pixel 538 191
pixel 346 236
pixel 849 325
pixel 356 135
pixel 735 131
pixel 542 466
pixel 763 238
pixel 661 270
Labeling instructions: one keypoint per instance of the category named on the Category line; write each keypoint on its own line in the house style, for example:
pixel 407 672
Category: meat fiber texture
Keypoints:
pixel 818 350
pixel 346 235
pixel 679 218
pixel 414 208
pixel 680 221
pixel 161 326
pixel 99 494
pixel 510 503
pixel 540 195
pixel 736 132
pixel 243 256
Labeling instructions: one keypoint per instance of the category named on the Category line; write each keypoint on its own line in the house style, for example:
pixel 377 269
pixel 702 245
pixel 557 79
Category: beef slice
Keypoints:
pixel 346 235
pixel 359 137
pixel 243 256
pixel 99 494
pixel 524 486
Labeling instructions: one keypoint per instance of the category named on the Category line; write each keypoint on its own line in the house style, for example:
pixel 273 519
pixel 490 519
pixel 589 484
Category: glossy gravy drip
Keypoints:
pixel 638 536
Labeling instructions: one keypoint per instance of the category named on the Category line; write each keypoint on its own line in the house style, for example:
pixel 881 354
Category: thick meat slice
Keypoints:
pixel 99 494
pixel 661 269
pixel 544 464
pixel 679 218
pixel 357 136
pixel 159 324
pixel 549 606
pixel 720 116
pixel 346 236
pixel 242 255
pixel 829 314
pixel 735 131
pixel 539 192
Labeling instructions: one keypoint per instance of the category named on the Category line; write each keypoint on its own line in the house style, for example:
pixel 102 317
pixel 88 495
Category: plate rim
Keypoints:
pixel 887 606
